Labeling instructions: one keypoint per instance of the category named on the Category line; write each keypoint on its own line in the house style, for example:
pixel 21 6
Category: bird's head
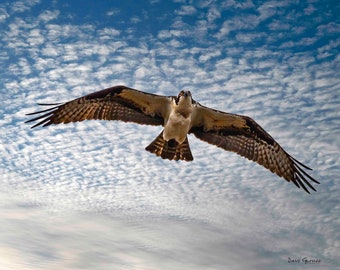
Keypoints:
pixel 184 97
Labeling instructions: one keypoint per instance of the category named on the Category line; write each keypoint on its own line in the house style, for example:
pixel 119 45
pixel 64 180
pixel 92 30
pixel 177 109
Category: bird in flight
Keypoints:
pixel 181 115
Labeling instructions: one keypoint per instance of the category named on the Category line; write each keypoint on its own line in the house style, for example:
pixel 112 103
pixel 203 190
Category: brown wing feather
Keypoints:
pixel 114 103
pixel 242 135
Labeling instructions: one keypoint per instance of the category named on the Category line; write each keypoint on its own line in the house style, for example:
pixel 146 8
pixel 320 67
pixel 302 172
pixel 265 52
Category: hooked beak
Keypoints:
pixel 186 93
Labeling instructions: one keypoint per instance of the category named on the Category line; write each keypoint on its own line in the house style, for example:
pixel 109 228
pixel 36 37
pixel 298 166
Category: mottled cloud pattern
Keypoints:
pixel 88 196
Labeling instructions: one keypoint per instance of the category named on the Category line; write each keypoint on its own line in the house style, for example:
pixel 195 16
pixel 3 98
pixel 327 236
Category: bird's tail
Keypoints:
pixel 170 149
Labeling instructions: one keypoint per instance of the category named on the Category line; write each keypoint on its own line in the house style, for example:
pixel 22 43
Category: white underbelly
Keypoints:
pixel 176 128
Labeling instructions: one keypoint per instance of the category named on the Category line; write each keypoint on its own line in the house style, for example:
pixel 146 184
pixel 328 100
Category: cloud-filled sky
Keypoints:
pixel 88 196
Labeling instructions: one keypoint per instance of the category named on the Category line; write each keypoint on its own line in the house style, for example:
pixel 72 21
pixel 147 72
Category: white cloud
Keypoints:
pixel 238 4
pixel 112 12
pixel 22 6
pixel 48 15
pixel 237 24
pixel 186 10
pixel 213 14
pixel 3 14
pixel 309 10
pixel 331 28
pixel 108 33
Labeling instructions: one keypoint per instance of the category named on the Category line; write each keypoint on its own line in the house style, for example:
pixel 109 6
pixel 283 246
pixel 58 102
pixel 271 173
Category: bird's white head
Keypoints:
pixel 184 98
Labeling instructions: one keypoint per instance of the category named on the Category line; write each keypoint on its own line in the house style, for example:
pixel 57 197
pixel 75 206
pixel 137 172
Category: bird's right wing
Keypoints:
pixel 114 103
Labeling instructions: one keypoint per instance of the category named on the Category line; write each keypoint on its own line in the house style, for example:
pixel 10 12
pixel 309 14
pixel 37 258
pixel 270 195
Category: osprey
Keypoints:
pixel 181 115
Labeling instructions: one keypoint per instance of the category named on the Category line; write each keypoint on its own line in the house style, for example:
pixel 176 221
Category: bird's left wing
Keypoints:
pixel 243 135
pixel 114 103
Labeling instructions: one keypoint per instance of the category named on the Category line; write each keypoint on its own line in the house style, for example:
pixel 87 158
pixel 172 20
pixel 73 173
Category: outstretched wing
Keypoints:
pixel 114 103
pixel 243 135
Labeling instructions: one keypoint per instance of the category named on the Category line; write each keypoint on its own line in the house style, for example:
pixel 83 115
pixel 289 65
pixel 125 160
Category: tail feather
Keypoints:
pixel 170 149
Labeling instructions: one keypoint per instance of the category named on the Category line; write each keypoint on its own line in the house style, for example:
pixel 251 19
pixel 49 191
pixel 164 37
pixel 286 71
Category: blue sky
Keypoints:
pixel 88 196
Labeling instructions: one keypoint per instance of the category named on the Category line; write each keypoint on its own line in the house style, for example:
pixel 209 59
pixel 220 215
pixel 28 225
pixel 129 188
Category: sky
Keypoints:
pixel 88 196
